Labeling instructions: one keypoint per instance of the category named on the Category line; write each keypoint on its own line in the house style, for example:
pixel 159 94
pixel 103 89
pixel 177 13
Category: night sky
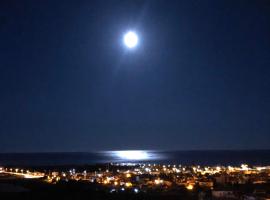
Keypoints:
pixel 199 78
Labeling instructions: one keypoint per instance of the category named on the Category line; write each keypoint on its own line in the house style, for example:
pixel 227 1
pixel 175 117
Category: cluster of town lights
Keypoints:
pixel 163 176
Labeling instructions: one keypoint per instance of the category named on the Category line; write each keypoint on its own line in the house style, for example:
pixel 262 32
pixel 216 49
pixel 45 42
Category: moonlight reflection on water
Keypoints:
pixel 133 155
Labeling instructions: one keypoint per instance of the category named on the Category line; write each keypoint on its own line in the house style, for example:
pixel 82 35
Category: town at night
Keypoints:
pixel 135 99
pixel 149 180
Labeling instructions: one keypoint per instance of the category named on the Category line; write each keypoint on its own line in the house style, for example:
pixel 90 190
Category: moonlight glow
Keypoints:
pixel 131 39
pixel 131 155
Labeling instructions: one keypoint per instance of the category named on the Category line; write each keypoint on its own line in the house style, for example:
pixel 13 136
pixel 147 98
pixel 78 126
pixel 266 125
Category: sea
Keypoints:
pixel 207 157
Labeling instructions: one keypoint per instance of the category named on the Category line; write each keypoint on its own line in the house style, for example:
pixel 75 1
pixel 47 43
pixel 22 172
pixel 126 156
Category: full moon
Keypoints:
pixel 131 39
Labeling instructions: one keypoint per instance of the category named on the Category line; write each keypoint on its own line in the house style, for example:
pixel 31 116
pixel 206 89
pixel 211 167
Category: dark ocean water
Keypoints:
pixel 257 157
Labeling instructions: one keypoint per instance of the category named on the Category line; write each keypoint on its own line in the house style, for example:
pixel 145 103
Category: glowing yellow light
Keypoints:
pixel 189 187
pixel 115 183
pixel 244 167
pixel 128 184
pixel 261 168
pixel 158 181
pixel 128 175
pixel 32 176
